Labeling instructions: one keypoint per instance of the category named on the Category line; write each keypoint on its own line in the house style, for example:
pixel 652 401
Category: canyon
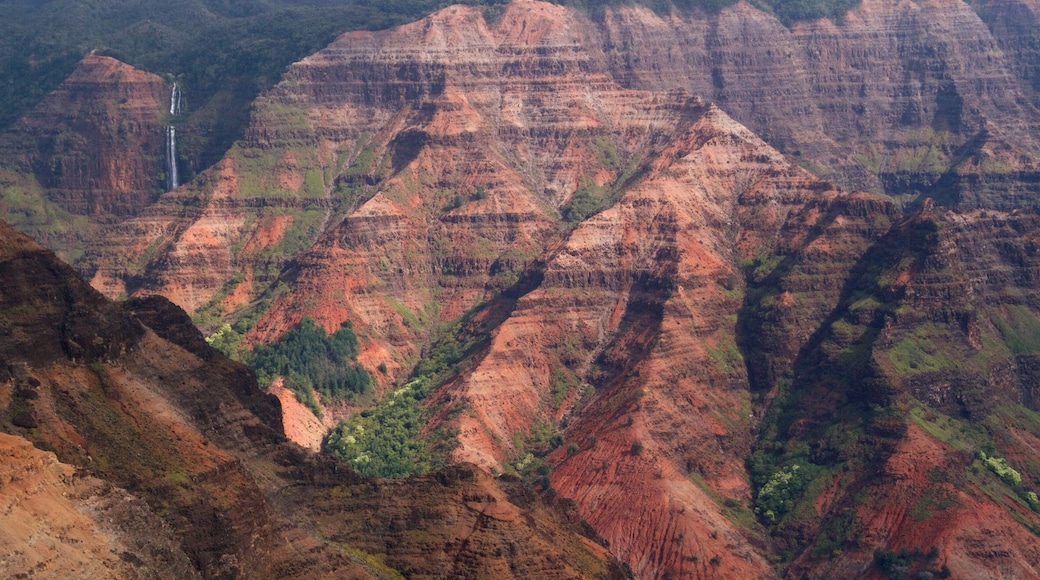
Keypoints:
pixel 742 299
pixel 133 452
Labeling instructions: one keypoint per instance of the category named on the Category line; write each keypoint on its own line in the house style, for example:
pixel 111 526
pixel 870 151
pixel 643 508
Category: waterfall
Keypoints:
pixel 171 140
pixel 171 158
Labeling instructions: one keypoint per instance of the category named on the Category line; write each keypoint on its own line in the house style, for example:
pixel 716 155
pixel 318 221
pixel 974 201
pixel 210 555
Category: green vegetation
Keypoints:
pixel 898 564
pixel 563 382
pixel 725 356
pixel 311 360
pixel 777 496
pixel 25 206
pixel 917 353
pixel 1000 467
pixel 1019 328
pixel 384 441
pixel 587 199
pixel 212 311
pixel 223 53
pixel 226 340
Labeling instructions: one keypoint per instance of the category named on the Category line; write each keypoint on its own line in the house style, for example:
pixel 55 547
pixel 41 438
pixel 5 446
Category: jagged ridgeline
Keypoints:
pixel 226 53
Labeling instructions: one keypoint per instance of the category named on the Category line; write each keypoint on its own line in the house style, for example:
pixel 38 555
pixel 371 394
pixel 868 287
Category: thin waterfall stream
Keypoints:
pixel 171 140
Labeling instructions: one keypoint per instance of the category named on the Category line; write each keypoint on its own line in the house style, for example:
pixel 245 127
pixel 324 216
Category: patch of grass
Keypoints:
pixel 1020 329
pixel 300 236
pixel 606 153
pixel 213 311
pixel 943 428
pixel 25 206
pixel 587 199
pixel 725 356
pixel 918 354
pixel 928 503
pixel 563 381
pixel 1019 416
pixel 864 301
pixel 371 562
pixel 410 320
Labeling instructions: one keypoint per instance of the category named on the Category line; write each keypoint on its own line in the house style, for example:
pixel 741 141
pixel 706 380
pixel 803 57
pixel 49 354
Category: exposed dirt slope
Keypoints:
pixel 190 439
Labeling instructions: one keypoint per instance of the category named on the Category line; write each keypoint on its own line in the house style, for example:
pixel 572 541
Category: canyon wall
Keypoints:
pixel 96 143
pixel 641 228
pixel 170 463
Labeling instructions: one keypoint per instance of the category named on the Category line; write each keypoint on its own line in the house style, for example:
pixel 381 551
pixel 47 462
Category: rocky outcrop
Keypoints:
pixel 58 522
pixel 96 143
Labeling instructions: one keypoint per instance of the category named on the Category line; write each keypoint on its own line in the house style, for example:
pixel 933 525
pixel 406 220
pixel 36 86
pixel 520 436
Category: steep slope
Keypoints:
pixel 58 521
pixel 630 343
pixel 192 445
pixel 906 98
pixel 471 173
pixel 900 97
pixel 96 143
pixel 884 434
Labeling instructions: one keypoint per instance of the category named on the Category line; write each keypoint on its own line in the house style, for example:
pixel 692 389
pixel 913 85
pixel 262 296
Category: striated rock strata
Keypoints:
pixel 188 444
pixel 96 143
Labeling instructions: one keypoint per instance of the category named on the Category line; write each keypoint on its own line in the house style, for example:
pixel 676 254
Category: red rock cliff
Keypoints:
pixel 96 142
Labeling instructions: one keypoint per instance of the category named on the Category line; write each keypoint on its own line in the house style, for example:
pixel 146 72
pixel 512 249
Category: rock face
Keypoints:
pixel 929 336
pixel 663 325
pixel 96 143
pixel 185 449
pixel 722 359
pixel 900 97
pixel 629 325
pixel 906 98
pixel 58 522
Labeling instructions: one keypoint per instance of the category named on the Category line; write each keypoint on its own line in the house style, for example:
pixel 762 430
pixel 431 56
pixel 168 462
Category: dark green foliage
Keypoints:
pixel 442 356
pixel 779 493
pixel 311 359
pixel 386 441
pixel 899 564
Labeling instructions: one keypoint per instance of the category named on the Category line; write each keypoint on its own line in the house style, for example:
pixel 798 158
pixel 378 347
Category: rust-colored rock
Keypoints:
pixel 96 142
pixel 189 475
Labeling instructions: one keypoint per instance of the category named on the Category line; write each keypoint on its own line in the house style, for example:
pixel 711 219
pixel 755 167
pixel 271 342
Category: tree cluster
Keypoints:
pixel 310 359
